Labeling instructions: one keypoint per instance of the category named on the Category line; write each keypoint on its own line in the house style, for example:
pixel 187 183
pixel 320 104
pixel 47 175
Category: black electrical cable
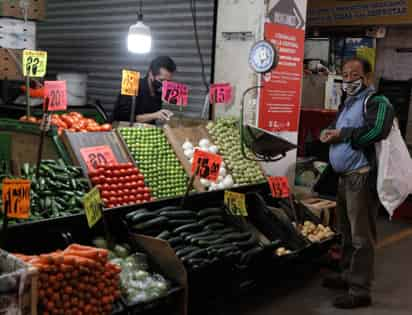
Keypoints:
pixel 199 51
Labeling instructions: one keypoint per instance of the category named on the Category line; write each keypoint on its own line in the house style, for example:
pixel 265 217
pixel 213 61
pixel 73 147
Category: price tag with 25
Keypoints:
pixel 34 63
pixel 93 207
pixel 236 203
pixel 130 82
pixel 95 156
pixel 208 163
pixel 221 93
pixel 279 186
pixel 55 95
pixel 16 198
pixel 175 93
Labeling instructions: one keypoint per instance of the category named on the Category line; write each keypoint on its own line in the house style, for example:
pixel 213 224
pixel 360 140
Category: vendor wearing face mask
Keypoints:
pixel 149 99
pixel 364 118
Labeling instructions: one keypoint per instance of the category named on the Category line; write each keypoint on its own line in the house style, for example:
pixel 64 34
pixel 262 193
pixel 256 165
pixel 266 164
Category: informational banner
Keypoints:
pixel 280 97
pixel 366 12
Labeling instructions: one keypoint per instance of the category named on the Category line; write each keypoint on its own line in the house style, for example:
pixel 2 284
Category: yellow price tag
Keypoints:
pixel 34 63
pixel 93 206
pixel 130 82
pixel 236 203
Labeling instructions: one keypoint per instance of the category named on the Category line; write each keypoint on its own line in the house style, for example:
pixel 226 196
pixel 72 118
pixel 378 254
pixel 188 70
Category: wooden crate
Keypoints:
pixel 74 141
pixel 323 209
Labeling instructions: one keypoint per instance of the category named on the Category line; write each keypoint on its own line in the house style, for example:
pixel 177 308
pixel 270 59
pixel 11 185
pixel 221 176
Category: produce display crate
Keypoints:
pixel 74 141
pixel 25 141
pixel 18 282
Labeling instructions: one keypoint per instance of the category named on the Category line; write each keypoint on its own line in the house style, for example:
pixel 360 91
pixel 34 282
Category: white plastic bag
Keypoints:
pixel 394 181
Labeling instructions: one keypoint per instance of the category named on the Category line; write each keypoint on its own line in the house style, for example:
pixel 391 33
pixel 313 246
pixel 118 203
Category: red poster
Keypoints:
pixel 281 93
pixel 55 95
pixel 95 156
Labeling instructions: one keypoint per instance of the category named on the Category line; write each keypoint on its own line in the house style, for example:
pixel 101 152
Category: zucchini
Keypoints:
pixel 164 235
pixel 177 223
pixel 188 228
pixel 247 244
pixel 211 219
pixel 203 233
pixel 247 256
pixel 174 241
pixel 131 214
pixel 158 222
pixel 186 250
pixel 225 231
pixel 209 211
pixel 141 217
pixel 215 226
pixel 176 215
pixel 195 254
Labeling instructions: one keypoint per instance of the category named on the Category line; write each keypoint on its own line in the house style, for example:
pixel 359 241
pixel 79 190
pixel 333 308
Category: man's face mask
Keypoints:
pixel 352 87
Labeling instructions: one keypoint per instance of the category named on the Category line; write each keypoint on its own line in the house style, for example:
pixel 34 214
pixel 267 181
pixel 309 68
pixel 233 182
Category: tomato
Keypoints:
pixel 133 171
pixel 110 181
pixel 139 190
pixel 105 194
pixel 116 173
pixel 72 130
pixel 105 201
pixel 129 165
pixel 140 177
pixel 134 178
pixel 146 196
pixel 146 190
pixel 114 187
pixel 95 180
pixel 113 199
pixel 93 173
pixel 126 191
pixel 120 199
pixel 106 186
pixel 106 127
pixel 139 197
pixel 127 185
pixel 123 172
pixel 67 119
pixel 127 178
pixel 108 173
pixel 140 183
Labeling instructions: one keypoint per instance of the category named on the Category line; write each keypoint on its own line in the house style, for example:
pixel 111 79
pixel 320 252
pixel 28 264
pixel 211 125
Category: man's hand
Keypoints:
pixel 330 136
pixel 163 115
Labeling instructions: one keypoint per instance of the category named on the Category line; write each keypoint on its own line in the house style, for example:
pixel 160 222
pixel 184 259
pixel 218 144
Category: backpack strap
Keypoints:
pixel 366 100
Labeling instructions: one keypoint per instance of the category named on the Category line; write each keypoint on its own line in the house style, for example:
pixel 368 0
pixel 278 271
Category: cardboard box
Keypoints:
pixel 17 34
pixel 172 268
pixel 9 69
pixel 32 9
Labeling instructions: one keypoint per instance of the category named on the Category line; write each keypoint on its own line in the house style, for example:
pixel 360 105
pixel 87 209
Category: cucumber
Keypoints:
pixel 211 219
pixel 195 254
pixel 174 241
pixel 178 223
pixel 158 222
pixel 186 250
pixel 225 231
pixel 247 256
pixel 209 211
pixel 131 214
pixel 142 217
pixel 192 235
pixel 176 215
pixel 164 235
pixel 215 226
pixel 188 228
pixel 236 237
pixel 246 244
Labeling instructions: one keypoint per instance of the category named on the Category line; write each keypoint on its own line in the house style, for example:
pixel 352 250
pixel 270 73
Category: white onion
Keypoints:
pixel 220 179
pixel 204 143
pixel 189 153
pixel 213 149
pixel 222 171
pixel 205 182
pixel 220 186
pixel 228 181
pixel 187 145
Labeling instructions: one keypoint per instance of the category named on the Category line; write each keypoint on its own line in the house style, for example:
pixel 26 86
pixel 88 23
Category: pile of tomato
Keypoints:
pixel 73 122
pixel 120 185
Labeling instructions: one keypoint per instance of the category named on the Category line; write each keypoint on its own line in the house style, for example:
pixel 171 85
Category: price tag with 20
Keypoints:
pixel 130 82
pixel 95 156
pixel 34 63
pixel 175 93
pixel 208 163
pixel 236 203
pixel 279 186
pixel 55 95
pixel 16 198
pixel 93 207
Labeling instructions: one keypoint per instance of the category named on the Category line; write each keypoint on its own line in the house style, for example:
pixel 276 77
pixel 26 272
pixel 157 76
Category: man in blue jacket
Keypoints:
pixel 364 118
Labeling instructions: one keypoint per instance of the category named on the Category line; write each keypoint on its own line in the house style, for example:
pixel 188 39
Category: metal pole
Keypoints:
pixel 133 110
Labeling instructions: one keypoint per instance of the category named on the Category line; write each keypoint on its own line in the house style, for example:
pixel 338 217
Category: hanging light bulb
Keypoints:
pixel 139 39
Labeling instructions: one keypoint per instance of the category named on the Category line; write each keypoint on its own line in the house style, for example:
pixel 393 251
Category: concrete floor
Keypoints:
pixel 392 292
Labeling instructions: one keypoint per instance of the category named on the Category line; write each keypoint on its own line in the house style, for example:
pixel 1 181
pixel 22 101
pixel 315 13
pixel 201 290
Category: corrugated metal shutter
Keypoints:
pixel 90 36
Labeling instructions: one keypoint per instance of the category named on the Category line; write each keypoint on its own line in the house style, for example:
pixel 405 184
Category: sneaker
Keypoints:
pixel 335 282
pixel 348 301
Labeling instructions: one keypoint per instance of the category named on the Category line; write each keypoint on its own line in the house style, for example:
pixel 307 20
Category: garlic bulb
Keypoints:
pixel 187 145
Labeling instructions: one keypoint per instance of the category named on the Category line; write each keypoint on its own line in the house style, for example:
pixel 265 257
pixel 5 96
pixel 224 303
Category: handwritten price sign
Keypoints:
pixel 221 93
pixel 96 156
pixel 16 198
pixel 93 207
pixel 175 93
pixel 279 186
pixel 130 82
pixel 236 203
pixel 209 164
pixel 34 63
pixel 55 95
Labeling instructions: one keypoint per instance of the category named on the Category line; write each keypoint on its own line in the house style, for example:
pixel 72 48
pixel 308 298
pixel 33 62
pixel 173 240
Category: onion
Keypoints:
pixel 187 145
pixel 189 153
pixel 205 182
pixel 204 143
pixel 213 149
pixel 222 171
pixel 228 181
pixel 220 179
pixel 220 186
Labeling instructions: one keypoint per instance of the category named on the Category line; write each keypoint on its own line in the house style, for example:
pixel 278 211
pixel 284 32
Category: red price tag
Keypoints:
pixel 279 186
pixel 55 95
pixel 96 156
pixel 221 93
pixel 175 93
pixel 209 164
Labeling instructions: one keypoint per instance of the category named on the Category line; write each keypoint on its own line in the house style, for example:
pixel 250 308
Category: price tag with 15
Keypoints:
pixel 279 186
pixel 221 93
pixel 236 203
pixel 209 164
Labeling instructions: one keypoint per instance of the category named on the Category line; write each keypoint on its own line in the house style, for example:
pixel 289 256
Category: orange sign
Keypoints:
pixel 16 198
pixel 209 164
pixel 130 82
pixel 279 186
pixel 55 95
pixel 96 156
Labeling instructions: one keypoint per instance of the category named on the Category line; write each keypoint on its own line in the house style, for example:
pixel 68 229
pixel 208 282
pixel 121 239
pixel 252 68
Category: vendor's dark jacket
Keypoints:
pixel 146 103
